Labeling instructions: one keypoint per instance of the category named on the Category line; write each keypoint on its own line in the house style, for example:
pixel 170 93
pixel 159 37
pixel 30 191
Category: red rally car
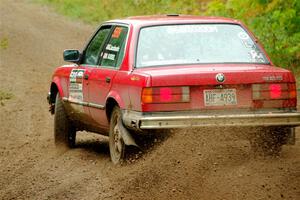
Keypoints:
pixel 165 72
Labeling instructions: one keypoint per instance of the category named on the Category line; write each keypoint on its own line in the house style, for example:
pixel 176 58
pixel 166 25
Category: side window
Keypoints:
pixel 114 51
pixel 92 52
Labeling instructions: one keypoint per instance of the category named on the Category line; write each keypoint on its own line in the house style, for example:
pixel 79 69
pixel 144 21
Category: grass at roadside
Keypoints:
pixel 95 11
pixel 76 9
pixel 5 96
pixel 3 43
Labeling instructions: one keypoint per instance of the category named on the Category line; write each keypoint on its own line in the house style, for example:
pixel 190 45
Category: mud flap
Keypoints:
pixel 291 137
pixel 126 136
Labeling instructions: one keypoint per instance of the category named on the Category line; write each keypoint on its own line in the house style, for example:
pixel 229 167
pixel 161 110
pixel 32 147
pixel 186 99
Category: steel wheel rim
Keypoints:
pixel 116 140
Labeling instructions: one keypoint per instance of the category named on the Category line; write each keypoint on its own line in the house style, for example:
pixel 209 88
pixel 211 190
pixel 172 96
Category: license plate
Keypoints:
pixel 220 97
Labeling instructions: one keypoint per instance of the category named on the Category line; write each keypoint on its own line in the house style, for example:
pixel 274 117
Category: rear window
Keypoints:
pixel 196 44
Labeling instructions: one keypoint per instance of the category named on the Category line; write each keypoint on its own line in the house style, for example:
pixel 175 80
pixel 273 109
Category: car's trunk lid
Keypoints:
pixel 206 74
pixel 207 92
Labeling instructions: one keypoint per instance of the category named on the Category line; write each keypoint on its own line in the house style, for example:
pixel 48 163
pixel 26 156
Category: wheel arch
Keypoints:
pixel 109 106
pixel 113 99
pixel 53 92
pixel 54 88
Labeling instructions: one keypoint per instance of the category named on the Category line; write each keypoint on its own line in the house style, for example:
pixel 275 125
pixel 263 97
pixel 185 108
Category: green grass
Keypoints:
pixel 4 43
pixel 5 96
pixel 95 11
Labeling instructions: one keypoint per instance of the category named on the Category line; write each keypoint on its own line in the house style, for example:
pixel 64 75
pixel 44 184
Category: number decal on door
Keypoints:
pixel 75 88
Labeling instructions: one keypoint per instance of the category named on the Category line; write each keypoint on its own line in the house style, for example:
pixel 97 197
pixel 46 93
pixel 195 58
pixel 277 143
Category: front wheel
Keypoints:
pixel 64 132
pixel 116 143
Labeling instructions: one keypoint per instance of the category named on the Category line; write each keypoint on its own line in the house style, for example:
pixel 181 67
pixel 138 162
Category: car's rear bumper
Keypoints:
pixel 162 120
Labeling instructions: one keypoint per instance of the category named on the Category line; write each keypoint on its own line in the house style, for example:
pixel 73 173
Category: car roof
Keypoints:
pixel 172 19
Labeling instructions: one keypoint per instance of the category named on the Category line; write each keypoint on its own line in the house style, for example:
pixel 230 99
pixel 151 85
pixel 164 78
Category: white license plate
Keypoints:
pixel 220 97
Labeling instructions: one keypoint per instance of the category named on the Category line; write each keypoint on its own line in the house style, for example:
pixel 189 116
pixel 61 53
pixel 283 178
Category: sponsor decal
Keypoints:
pixel 117 32
pixel 75 87
pixel 248 44
pixel 243 36
pixel 112 48
pixel 192 29
pixel 256 56
pixel 109 56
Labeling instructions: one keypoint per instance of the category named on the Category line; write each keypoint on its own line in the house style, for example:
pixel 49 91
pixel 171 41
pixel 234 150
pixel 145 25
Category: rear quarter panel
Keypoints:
pixel 127 88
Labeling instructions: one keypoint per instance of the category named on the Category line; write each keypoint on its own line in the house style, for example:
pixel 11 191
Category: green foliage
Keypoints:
pixel 4 96
pixel 94 11
pixel 276 23
pixel 4 43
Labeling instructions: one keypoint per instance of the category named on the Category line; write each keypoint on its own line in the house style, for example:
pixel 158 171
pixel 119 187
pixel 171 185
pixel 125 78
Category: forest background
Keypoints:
pixel 276 23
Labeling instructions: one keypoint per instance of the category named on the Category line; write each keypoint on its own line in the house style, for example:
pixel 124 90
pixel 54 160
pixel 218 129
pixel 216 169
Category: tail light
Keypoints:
pixel 165 95
pixel 275 91
pixel 274 94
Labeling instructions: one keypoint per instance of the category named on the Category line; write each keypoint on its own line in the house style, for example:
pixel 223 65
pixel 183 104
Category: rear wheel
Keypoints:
pixel 64 132
pixel 269 141
pixel 116 143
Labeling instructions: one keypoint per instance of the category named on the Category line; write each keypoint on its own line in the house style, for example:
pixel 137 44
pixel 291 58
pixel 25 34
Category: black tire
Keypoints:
pixel 116 143
pixel 268 141
pixel 64 132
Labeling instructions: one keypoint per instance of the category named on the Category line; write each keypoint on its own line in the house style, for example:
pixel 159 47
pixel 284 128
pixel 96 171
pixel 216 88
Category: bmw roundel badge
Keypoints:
pixel 220 77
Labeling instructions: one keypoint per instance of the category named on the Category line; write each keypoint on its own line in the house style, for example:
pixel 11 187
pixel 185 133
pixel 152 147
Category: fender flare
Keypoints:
pixel 56 83
pixel 114 95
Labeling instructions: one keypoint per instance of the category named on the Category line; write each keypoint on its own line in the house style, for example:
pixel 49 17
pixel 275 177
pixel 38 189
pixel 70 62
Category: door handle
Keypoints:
pixel 107 79
pixel 86 76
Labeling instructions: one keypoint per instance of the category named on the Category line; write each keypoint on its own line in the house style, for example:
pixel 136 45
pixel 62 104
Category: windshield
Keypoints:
pixel 196 44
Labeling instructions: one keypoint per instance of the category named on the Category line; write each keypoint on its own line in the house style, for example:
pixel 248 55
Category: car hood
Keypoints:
pixel 206 74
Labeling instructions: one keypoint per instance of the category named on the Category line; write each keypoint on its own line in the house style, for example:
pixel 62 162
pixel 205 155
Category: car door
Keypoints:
pixel 90 60
pixel 101 78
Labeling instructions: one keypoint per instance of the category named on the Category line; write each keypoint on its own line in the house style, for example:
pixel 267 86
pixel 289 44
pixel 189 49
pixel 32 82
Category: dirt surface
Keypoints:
pixel 202 164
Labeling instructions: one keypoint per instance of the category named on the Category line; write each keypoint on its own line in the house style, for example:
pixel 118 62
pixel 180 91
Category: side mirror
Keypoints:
pixel 71 55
